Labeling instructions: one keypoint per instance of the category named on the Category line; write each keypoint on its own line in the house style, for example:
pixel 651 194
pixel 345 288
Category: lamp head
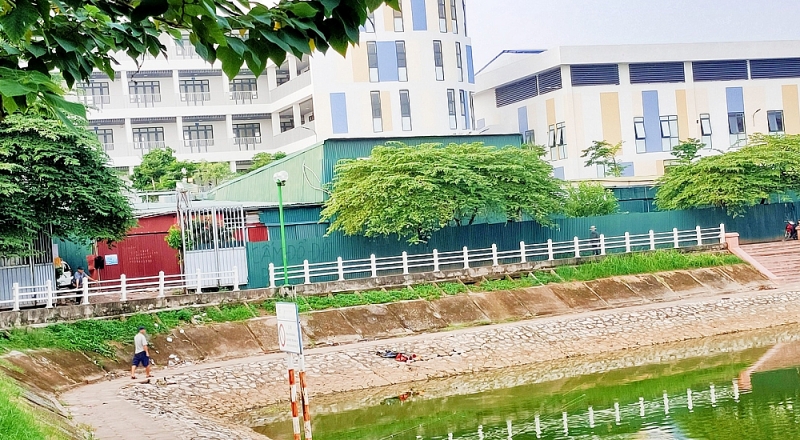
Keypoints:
pixel 281 177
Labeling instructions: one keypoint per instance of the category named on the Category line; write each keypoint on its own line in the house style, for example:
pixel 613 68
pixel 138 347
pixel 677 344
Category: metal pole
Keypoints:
pixel 293 397
pixel 304 398
pixel 283 236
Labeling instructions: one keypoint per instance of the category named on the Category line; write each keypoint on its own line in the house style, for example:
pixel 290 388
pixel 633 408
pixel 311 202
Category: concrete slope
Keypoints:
pixel 782 258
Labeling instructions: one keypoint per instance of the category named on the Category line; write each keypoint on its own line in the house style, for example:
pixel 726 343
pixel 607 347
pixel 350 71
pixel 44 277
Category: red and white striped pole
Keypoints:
pixel 304 397
pixel 293 398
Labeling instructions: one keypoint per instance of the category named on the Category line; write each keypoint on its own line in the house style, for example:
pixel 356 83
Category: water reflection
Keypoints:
pixel 742 395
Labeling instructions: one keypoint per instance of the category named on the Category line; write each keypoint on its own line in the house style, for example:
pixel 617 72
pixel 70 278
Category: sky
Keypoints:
pixel 496 25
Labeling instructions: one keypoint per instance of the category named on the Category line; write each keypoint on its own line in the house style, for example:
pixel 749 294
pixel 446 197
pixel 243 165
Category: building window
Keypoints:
pixel 705 129
pixel 194 91
pixel 529 137
pixel 775 121
pixel 459 62
pixel 372 60
pixel 185 49
pixel 557 141
pixel 282 74
pixel 736 128
pixel 286 119
pixel 244 89
pixel 247 136
pixel 442 16
pixel 377 113
pixel 462 96
pixel 148 138
pixel 438 60
pixel 639 134
pixel 454 16
pixel 144 93
pixel 405 110
pixel 398 18
pixel 669 132
pixel 451 108
pixel 95 93
pixel 106 137
pixel 472 109
pixel 198 137
pixel 369 25
pixel 402 69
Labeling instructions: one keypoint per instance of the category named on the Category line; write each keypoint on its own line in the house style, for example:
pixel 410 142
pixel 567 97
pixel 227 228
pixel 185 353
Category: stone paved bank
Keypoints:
pixel 205 403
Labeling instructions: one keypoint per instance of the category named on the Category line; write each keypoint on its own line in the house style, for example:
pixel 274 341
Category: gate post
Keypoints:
pixel 602 244
pixel 676 238
pixel 466 258
pixel 340 264
pixel 235 279
pixel 494 255
pixel 271 275
pixel 722 233
pixel 577 243
pixel 85 292
pixel 627 242
pixel 405 263
pixel 652 240
pixel 522 257
pixel 373 264
pixel 123 288
pixel 15 292
pixel 550 255
pixel 161 284
pixel 307 272
pixel 49 294
pixel 436 260
pixel 199 281
pixel 699 233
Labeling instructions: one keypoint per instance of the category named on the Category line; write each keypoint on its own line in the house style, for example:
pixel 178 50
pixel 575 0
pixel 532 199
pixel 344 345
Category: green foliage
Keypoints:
pixel 604 154
pixel 55 179
pixel 18 421
pixel 453 288
pixel 230 313
pixel 589 199
pixel 211 174
pixel 687 150
pixel 38 37
pixel 160 170
pixel 734 180
pixel 174 238
pixel 263 159
pixel 414 191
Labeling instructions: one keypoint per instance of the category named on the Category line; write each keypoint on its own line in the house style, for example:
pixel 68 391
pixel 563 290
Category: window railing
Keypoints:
pixel 195 97
pixel 149 145
pixel 145 100
pixel 246 142
pixel 246 95
pixel 198 144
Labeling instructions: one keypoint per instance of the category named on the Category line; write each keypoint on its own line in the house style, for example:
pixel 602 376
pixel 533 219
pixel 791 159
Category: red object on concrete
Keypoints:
pixel 144 252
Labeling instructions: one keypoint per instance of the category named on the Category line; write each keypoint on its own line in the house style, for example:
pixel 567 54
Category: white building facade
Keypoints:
pixel 411 75
pixel 649 97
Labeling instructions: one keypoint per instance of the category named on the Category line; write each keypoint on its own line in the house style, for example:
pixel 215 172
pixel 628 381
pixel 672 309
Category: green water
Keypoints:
pixel 761 409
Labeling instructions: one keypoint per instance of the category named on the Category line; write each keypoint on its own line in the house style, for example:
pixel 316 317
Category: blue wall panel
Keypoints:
pixel 339 112
pixel 628 170
pixel 652 126
pixel 558 173
pixel 470 66
pixel 387 61
pixel 522 116
pixel 419 15
pixel 735 98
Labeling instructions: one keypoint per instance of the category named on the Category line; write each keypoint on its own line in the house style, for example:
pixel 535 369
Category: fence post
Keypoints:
pixel 550 255
pixel 199 281
pixel 405 263
pixel 271 275
pixel 676 238
pixel 436 260
pixel 123 288
pixel 49 294
pixel 374 265
pixel 577 243
pixel 235 279
pixel 494 255
pixel 652 240
pixel 161 283
pixel 340 264
pixel 602 244
pixel 85 292
pixel 722 233
pixel 466 258
pixel 523 258
pixel 15 292
pixel 699 236
pixel 307 272
pixel 627 242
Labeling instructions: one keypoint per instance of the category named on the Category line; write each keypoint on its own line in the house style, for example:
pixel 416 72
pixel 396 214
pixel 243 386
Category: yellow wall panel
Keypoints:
pixel 388 18
pixel 360 65
pixel 791 109
pixel 609 110
pixel 551 111
pixel 683 114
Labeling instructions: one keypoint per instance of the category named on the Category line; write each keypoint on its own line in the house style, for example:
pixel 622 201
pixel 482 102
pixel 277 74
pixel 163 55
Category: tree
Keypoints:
pixel 414 191
pixel 589 199
pixel 211 174
pixel 604 154
pixel 687 150
pixel 264 159
pixel 735 180
pixel 55 180
pixel 73 37
pixel 160 170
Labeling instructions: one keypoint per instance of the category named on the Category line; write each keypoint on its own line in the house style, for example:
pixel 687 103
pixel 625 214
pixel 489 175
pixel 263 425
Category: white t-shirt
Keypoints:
pixel 139 341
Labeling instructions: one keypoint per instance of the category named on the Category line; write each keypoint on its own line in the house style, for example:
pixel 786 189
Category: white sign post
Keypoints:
pixel 290 340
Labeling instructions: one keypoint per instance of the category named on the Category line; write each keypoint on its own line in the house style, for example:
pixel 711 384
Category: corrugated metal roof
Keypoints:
pixel 141 210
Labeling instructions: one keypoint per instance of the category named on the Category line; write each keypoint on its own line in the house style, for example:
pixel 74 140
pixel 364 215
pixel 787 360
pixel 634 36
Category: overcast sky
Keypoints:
pixel 496 25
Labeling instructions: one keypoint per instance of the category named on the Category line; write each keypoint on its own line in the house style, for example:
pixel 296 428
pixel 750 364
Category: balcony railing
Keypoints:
pixel 241 96
pixel 247 143
pixel 145 100
pixel 148 145
pixel 186 50
pixel 108 146
pixel 196 98
pixel 198 145
pixel 94 100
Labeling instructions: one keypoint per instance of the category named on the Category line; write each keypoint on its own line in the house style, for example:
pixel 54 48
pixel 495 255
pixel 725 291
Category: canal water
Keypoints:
pixel 734 394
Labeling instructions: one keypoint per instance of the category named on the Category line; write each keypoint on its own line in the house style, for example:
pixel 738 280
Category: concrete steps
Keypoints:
pixel 782 258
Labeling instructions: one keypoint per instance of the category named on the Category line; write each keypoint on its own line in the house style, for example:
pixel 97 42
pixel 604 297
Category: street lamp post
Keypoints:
pixel 280 179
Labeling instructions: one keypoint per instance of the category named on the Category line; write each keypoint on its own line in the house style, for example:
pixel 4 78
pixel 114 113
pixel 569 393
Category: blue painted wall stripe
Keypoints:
pixel 418 15
pixel 522 117
pixel 470 66
pixel 387 61
pixel 339 112
pixel 735 97
pixel 652 126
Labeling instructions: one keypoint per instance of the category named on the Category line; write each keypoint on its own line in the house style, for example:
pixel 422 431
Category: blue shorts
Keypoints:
pixel 141 359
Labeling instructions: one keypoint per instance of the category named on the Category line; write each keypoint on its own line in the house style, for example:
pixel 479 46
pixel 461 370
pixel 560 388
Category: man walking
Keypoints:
pixel 594 240
pixel 141 354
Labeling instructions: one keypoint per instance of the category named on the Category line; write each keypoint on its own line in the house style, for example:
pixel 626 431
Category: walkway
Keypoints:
pixel 782 258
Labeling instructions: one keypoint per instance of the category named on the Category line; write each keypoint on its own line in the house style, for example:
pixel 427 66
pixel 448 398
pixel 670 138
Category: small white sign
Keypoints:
pixel 289 336
pixel 112 260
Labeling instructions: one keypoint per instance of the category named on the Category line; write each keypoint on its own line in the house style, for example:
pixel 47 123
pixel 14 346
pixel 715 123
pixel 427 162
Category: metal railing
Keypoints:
pixel 195 98
pixel 144 100
pixel 341 270
pixel 244 95
pixel 119 289
pixel 149 145
pixel 198 144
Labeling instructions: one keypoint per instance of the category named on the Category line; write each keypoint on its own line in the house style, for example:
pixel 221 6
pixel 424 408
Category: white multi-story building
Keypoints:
pixel 649 97
pixel 411 75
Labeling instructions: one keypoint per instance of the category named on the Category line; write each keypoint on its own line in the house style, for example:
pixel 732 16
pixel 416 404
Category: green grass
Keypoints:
pixel 18 421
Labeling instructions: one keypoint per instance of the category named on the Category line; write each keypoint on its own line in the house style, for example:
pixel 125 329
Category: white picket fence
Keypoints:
pixel 340 270
pixel 27 296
